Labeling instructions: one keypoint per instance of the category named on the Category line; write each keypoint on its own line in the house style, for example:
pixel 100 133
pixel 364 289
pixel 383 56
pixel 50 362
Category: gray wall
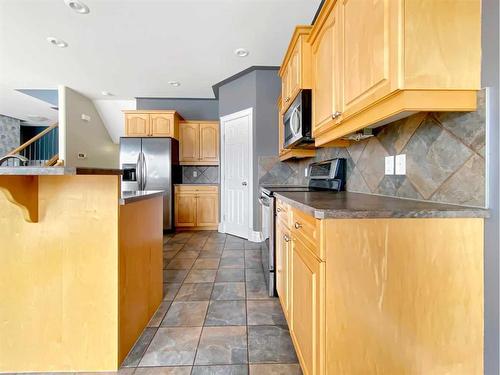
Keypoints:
pixel 189 109
pixel 10 134
pixel 78 136
pixel 490 78
pixel 259 90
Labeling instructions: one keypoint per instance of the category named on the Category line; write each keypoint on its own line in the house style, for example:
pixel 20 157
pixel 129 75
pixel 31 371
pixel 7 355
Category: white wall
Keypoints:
pixel 79 136
pixel 112 116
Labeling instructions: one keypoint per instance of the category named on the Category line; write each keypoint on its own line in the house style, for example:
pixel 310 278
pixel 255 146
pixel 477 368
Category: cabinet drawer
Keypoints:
pixel 283 212
pixel 307 228
pixel 211 189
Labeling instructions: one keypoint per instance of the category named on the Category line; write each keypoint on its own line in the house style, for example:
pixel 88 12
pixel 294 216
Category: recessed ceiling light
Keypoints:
pixel 174 83
pixel 77 6
pixel 241 52
pixel 106 93
pixel 57 42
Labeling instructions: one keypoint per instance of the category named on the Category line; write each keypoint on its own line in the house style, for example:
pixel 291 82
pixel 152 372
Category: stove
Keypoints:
pixel 328 175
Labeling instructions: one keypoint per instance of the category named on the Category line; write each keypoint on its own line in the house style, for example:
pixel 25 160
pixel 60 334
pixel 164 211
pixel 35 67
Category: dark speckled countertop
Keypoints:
pixel 56 171
pixel 327 205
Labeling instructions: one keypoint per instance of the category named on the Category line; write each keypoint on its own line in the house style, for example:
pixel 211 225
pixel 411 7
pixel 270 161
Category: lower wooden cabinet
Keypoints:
pixel 283 249
pixel 196 206
pixel 307 306
pixel 375 296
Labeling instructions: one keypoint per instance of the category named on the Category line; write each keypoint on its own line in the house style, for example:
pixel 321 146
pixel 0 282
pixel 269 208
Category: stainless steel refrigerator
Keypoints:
pixel 152 164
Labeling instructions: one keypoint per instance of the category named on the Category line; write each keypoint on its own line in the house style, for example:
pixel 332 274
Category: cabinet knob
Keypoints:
pixel 287 99
pixel 278 209
pixel 336 114
pixel 286 238
pixel 297 225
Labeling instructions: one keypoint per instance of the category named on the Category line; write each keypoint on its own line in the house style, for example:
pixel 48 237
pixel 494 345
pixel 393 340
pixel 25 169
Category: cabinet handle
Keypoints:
pixel 286 238
pixel 297 225
pixel 336 114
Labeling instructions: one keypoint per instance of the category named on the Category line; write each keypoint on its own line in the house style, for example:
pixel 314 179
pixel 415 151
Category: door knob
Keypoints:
pixel 244 183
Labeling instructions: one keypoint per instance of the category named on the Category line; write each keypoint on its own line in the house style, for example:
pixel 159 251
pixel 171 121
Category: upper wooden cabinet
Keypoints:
pixel 199 143
pixel 376 61
pixel 152 124
pixel 295 71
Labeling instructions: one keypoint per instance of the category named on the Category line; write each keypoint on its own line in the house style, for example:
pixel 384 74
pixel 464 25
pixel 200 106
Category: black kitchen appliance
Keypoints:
pixel 297 122
pixel 328 175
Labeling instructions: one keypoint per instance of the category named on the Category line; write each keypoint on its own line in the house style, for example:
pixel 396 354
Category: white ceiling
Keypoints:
pixel 132 48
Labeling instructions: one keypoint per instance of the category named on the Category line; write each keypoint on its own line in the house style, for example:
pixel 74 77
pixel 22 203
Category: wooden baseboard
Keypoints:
pixel 184 229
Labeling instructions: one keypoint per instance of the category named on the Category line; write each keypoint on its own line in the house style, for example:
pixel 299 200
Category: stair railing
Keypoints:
pixel 41 150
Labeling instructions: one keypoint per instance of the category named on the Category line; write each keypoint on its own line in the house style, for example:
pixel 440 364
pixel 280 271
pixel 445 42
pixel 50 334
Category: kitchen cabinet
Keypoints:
pixel 347 288
pixel 374 62
pixel 196 206
pixel 326 64
pixel 199 143
pixel 283 250
pixel 308 292
pixel 295 71
pixel 152 124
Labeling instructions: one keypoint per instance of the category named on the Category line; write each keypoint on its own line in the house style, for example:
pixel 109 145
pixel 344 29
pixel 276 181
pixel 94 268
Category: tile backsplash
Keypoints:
pixel 204 174
pixel 445 159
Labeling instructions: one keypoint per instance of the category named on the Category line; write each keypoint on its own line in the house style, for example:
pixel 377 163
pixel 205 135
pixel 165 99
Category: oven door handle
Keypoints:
pixel 264 202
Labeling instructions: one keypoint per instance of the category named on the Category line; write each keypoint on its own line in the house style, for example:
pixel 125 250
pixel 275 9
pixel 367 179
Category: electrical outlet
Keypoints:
pixel 195 173
pixel 85 117
pixel 389 165
pixel 305 171
pixel 82 155
pixel 401 164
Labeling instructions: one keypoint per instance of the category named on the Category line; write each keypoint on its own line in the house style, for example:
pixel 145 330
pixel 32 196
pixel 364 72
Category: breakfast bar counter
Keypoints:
pixel 80 268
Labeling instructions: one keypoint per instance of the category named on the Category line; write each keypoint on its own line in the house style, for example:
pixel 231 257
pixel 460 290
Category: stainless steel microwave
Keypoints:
pixel 297 122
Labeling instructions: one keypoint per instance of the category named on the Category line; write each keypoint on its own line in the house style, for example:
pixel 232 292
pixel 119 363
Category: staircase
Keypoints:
pixel 41 150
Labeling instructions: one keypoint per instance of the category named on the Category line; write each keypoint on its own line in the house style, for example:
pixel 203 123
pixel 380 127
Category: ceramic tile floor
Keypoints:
pixel 216 317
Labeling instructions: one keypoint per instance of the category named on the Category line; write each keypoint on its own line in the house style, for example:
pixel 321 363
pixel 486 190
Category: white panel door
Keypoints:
pixel 237 173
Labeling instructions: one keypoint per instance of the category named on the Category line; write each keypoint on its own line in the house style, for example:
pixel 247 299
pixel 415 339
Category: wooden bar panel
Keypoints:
pixel 141 265
pixel 59 278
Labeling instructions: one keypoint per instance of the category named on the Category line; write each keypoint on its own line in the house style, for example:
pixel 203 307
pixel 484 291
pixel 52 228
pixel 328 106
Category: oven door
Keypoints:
pixel 267 248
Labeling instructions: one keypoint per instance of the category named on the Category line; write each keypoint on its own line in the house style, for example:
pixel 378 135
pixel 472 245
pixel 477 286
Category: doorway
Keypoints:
pixel 237 173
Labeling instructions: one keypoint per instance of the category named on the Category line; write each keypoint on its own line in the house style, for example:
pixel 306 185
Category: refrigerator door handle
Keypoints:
pixel 145 171
pixel 139 171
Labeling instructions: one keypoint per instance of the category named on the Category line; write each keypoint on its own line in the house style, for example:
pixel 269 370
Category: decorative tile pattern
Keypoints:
pixel 212 328
pixel 205 175
pixel 445 159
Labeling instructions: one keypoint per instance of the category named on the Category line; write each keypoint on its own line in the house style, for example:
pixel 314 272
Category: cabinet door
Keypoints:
pixel 325 62
pixel 185 210
pixel 368 51
pixel 282 263
pixel 189 142
pixel 162 125
pixel 295 70
pixel 285 83
pixel 207 210
pixel 137 125
pixel 209 142
pixel 281 129
pixel 307 275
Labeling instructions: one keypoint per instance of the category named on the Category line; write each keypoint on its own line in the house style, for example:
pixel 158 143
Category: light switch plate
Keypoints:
pixel 389 165
pixel 401 164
